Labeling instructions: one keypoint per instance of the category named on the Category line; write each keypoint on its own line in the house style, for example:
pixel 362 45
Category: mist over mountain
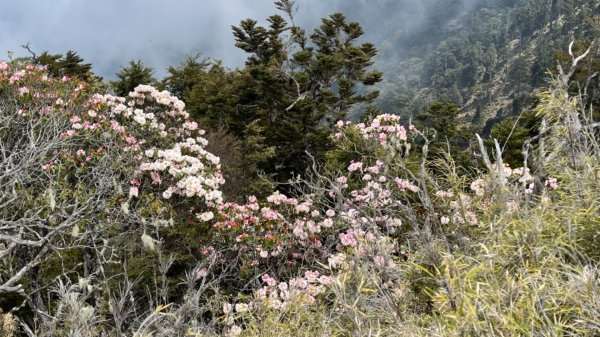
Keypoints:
pixel 428 50
pixel 487 57
pixel 110 33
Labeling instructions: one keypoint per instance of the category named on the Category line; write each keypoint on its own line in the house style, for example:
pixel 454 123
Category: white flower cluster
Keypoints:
pixel 179 164
pixel 194 170
pixel 384 127
pixel 144 93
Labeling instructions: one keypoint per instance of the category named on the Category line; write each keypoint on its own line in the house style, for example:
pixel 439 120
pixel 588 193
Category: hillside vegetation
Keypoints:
pixel 247 202
pixel 489 58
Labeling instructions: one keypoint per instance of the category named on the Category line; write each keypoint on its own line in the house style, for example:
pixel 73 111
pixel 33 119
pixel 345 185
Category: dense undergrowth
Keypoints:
pixel 133 238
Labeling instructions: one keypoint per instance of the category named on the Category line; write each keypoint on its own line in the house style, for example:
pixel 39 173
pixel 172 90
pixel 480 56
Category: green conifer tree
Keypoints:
pixel 71 65
pixel 297 86
pixel 129 77
pixel 182 79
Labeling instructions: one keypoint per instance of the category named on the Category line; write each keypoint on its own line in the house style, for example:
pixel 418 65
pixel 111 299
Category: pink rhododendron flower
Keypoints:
pixel 303 208
pixel 342 181
pixel 133 192
pixel 201 273
pixel 472 217
pixel 348 239
pixel 477 186
pixel 354 166
pixel 325 280
pixel 190 125
pixel 227 307
pixel 379 261
pixel 336 261
pixel 155 177
pixel 529 191
pixel 268 280
pixel 208 250
pixel 405 184
pixel 327 223
pixel 167 193
pixel 524 174
pixel 47 166
pixel 552 182
pixel 444 194
pixel 16 76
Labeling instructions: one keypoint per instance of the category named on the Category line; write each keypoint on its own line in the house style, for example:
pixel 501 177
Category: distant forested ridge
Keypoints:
pixel 487 57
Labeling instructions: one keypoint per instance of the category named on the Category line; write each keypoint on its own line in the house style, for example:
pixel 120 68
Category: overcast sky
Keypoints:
pixel 108 33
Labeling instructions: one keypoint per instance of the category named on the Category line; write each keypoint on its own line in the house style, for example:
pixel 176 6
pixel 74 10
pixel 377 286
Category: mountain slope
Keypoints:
pixel 488 60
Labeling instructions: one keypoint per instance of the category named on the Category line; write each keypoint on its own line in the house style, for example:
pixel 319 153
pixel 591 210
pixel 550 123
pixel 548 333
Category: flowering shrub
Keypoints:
pixel 277 296
pixel 285 250
pixel 281 235
pixel 85 172
pixel 452 283
pixel 360 220
pixel 285 235
pixel 150 126
pixel 154 128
